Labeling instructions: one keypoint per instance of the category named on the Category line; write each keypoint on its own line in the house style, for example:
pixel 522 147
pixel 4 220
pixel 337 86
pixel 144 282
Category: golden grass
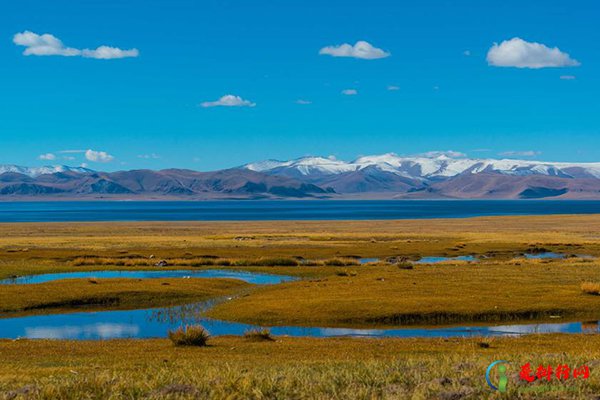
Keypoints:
pixel 129 261
pixel 427 294
pixel 341 368
pixel 336 292
pixel 71 294
pixel 498 236
pixel 591 288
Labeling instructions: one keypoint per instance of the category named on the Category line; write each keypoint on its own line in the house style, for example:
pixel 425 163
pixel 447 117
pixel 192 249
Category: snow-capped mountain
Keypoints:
pixel 441 176
pixel 425 168
pixel 386 176
pixel 34 172
pixel 304 166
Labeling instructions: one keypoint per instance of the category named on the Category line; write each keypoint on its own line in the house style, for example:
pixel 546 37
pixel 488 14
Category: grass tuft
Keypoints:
pixel 267 262
pixel 340 262
pixel 346 273
pixel 591 288
pixel 259 335
pixel 191 335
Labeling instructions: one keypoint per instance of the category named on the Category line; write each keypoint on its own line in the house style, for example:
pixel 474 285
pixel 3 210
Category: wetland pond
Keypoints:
pixel 156 322
pixel 544 255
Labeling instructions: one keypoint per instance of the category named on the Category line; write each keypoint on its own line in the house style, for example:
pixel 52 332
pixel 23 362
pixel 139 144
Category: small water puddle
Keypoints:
pixel 149 323
pixel 433 260
pixel 250 277
pixel 368 260
pixel 544 255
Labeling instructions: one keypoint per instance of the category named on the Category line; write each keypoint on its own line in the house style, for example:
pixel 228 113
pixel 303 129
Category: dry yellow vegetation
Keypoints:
pixel 292 368
pixel 590 288
pixel 334 291
pixel 428 294
pixel 502 237
pixel 110 294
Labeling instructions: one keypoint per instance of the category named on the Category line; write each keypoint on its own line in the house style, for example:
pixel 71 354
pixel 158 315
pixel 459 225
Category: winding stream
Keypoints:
pixel 250 277
pixel 156 322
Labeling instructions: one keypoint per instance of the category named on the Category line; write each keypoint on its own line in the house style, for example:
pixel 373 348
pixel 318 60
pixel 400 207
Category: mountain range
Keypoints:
pixel 387 176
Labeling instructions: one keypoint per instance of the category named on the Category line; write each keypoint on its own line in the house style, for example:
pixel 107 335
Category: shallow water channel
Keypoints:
pixel 156 322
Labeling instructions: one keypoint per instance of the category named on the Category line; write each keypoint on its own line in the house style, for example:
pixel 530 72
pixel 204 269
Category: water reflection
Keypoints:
pixel 157 322
pixel 182 315
pixel 93 331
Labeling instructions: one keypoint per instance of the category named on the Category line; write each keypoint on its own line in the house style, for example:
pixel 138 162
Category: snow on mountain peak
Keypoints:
pixel 304 165
pixel 37 171
pixel 425 166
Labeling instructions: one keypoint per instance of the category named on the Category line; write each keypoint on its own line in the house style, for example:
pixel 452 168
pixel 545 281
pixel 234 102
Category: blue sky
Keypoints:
pixel 143 108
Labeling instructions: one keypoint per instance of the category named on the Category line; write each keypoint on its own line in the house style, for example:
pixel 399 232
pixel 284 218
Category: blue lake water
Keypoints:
pixel 250 277
pixel 282 210
pixel 157 322
pixel 367 260
pixel 544 255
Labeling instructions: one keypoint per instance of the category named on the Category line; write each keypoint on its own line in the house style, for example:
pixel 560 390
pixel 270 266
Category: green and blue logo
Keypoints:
pixel 502 377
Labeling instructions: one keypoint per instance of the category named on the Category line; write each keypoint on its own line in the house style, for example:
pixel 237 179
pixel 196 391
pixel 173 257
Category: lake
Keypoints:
pixel 231 210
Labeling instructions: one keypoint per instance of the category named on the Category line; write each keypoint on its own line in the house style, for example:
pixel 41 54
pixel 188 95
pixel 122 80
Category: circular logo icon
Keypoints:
pixel 502 377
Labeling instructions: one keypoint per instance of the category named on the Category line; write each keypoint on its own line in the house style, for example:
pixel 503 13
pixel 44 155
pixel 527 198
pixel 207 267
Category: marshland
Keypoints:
pixel 326 286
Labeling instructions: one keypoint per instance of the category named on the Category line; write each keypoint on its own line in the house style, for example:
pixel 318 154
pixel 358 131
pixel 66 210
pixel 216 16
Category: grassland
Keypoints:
pixel 501 237
pixel 237 368
pixel 110 294
pixel 499 288
pixel 334 291
pixel 441 294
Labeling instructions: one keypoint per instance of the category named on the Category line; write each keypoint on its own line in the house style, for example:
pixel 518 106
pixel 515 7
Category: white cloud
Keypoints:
pixel 98 156
pixel 47 157
pixel 568 77
pixel 527 153
pixel 152 156
pixel 68 158
pixel 350 92
pixel 393 88
pixel 361 49
pixel 50 45
pixel 43 45
pixel 518 53
pixel 229 100
pixel 303 102
pixel 108 53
